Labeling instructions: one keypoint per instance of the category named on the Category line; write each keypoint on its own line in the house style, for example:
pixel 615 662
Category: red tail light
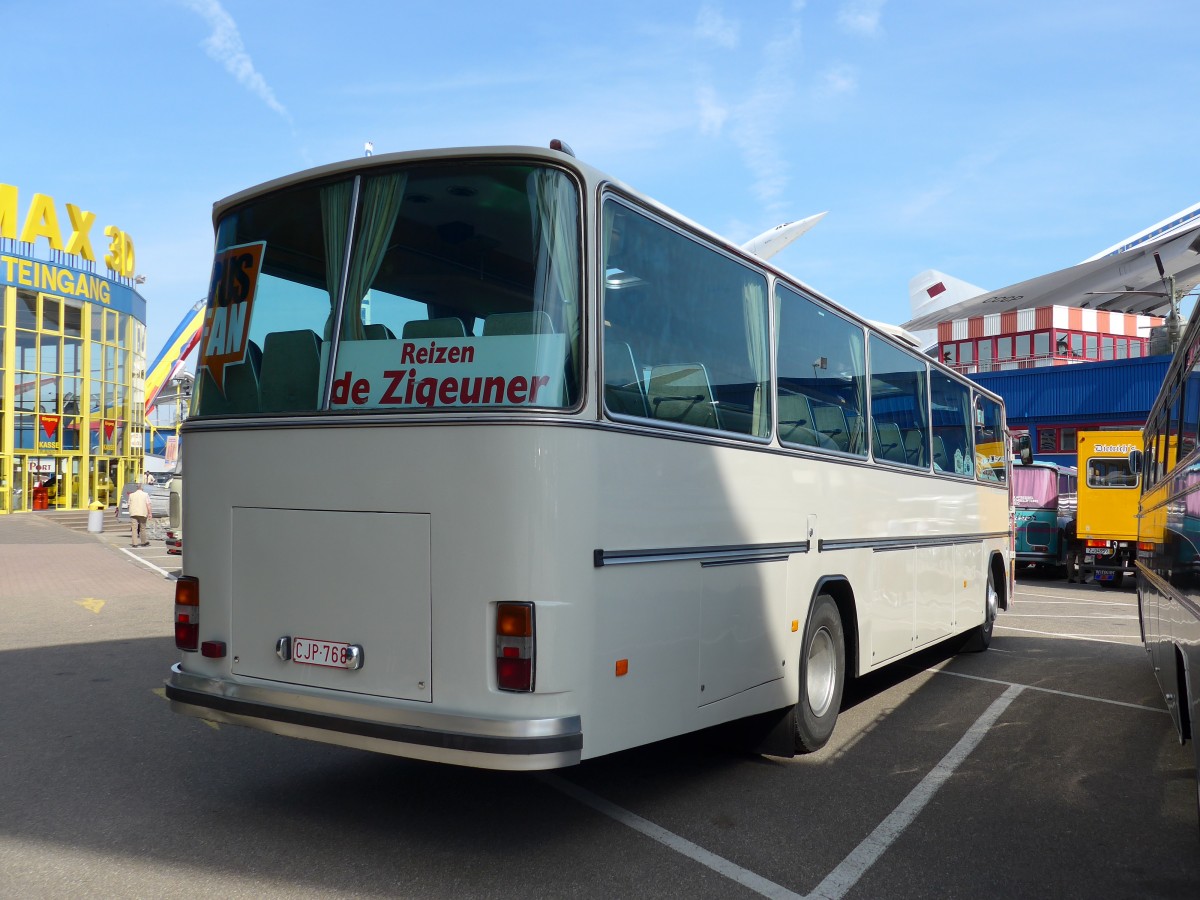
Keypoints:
pixel 514 646
pixel 187 613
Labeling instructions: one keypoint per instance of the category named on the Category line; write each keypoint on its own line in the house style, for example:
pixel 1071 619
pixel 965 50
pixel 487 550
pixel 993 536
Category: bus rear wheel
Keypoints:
pixel 822 676
pixel 979 638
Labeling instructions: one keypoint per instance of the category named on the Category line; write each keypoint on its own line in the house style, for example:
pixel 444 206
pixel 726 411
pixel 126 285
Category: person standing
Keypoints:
pixel 139 513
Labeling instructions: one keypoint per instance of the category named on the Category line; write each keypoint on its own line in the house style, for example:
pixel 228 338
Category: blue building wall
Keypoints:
pixel 1086 395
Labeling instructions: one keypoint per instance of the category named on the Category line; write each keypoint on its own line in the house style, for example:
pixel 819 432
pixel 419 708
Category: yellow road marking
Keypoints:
pixel 91 603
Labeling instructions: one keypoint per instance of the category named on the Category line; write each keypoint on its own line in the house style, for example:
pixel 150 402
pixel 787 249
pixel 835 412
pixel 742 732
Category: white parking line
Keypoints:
pixel 163 572
pixel 846 875
pixel 718 864
pixel 851 869
pixel 1122 602
pixel 1011 615
pixel 1098 638
pixel 1030 687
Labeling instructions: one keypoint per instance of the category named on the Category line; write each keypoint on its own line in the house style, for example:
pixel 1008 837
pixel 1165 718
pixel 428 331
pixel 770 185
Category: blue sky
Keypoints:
pixel 992 140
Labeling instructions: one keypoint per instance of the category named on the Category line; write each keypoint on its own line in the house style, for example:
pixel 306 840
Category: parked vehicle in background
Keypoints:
pixel 1044 498
pixel 174 538
pixel 1168 563
pixel 1107 503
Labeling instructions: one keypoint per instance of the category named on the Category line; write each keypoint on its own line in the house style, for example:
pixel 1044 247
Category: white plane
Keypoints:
pixel 1123 278
pixel 772 241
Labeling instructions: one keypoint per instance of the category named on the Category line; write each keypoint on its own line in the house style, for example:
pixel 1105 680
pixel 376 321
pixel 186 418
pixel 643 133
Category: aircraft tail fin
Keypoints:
pixel 932 290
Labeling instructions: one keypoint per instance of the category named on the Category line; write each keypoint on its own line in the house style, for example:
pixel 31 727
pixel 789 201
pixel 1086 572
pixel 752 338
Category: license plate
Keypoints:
pixel 1104 576
pixel 311 652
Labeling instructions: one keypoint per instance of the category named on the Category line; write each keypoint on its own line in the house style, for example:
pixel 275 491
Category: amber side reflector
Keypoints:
pixel 622 667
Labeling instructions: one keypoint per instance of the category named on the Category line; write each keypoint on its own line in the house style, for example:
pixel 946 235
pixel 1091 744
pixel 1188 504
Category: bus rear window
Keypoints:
pixel 455 286
pixel 1109 472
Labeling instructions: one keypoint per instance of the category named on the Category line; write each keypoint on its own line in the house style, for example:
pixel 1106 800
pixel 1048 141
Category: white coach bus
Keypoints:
pixel 494 461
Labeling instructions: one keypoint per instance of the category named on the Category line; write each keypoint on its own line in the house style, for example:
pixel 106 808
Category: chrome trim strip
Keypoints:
pixel 342 720
pixel 731 554
pixel 880 545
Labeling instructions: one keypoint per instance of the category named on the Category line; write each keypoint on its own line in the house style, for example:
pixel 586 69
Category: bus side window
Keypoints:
pixel 821 362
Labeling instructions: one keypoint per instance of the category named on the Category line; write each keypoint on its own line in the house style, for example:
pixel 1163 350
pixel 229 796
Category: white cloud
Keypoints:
pixel 756 123
pixel 861 16
pixel 225 46
pixel 837 81
pixel 711 25
pixel 712 113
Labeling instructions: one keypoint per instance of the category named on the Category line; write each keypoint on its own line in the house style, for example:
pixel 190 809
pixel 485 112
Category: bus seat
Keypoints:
pixel 241 394
pixel 291 374
pixel 940 458
pixel 796 419
pixel 450 326
pixel 858 438
pixel 682 393
pixel 889 442
pixel 831 422
pixel 914 447
pixel 378 332
pixel 534 322
pixel 623 391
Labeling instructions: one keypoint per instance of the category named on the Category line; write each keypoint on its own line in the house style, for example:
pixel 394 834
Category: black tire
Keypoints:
pixel 979 638
pixel 822 675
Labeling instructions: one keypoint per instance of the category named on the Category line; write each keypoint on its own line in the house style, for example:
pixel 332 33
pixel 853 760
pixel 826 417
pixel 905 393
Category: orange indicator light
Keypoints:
pixel 514 620
pixel 795 624
pixel 622 667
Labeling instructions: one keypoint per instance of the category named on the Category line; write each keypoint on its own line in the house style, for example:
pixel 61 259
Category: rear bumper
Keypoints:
pixel 1038 558
pixel 368 724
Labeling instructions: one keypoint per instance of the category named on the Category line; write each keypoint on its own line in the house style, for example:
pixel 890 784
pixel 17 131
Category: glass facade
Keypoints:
pixel 71 394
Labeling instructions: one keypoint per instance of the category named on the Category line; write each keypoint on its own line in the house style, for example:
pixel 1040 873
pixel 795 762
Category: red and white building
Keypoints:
pixel 1045 336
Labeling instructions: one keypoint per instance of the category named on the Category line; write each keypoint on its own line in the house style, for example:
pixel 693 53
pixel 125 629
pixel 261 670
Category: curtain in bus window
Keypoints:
pixel 335 223
pixel 754 306
pixel 1035 487
pixel 556 270
pixel 381 199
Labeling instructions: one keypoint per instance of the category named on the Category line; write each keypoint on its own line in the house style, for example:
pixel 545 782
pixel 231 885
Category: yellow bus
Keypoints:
pixel 1106 524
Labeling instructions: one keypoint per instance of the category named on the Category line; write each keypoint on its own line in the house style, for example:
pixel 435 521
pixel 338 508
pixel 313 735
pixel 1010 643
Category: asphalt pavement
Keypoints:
pixel 1045 767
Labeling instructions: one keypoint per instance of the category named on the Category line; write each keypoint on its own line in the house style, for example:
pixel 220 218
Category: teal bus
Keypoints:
pixel 1044 500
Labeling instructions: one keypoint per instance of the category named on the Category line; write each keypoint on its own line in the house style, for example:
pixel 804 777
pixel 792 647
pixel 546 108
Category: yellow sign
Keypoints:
pixel 54 279
pixel 42 222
